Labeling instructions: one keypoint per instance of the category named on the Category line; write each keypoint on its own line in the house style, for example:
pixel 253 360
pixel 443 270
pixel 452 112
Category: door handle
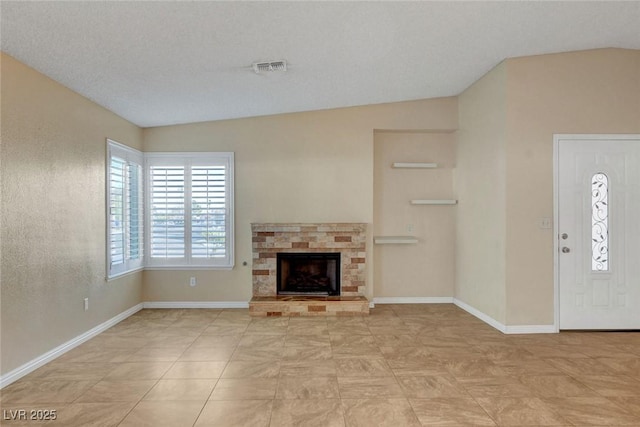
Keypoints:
pixel 566 250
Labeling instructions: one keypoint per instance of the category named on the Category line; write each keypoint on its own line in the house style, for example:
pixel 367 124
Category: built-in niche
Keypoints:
pixel 414 213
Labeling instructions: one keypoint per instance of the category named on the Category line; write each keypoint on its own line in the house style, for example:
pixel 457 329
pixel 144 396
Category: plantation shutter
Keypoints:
pixel 208 211
pixel 116 211
pixel 167 212
pixel 125 204
pixel 135 204
pixel 189 208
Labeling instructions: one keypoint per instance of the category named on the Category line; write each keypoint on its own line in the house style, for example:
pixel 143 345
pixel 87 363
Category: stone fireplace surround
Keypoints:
pixel 349 239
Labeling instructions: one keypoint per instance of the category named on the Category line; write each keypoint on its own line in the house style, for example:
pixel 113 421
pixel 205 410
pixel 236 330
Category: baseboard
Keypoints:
pixel 39 361
pixel 480 315
pixel 531 329
pixel 413 300
pixel 514 329
pixel 196 304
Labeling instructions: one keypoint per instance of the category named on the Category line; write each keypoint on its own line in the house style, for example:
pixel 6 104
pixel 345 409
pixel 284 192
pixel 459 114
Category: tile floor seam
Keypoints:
pixel 195 421
pixel 129 412
pixel 161 378
pixel 275 392
pixel 80 396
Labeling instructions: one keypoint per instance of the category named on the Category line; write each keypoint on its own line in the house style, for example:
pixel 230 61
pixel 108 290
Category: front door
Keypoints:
pixel 598 200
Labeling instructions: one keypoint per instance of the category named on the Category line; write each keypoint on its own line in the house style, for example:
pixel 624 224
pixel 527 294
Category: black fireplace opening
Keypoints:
pixel 308 273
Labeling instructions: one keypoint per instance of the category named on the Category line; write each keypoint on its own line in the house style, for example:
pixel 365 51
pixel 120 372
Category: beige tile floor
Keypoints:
pixel 404 365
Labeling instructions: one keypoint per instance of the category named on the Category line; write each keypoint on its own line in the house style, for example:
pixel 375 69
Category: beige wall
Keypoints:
pixel 595 91
pixel 504 179
pixel 480 186
pixel 304 167
pixel 425 269
pixel 53 215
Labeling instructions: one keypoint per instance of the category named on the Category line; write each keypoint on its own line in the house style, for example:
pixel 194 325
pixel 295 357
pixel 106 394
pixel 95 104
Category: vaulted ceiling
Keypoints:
pixel 161 63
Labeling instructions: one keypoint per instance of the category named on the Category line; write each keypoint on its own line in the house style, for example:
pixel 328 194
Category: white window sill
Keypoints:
pixel 191 267
pixel 122 274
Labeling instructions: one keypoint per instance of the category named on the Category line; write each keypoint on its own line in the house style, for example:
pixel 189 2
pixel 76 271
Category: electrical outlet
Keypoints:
pixel 192 282
pixel 410 228
pixel 86 304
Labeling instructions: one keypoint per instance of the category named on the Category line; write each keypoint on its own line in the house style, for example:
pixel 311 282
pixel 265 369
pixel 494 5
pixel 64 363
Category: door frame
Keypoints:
pixel 557 139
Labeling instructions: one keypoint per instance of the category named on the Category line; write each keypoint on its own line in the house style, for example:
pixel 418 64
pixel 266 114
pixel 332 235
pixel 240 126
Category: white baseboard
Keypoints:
pixel 511 329
pixel 196 304
pixel 531 329
pixel 39 361
pixel 413 300
pixel 480 315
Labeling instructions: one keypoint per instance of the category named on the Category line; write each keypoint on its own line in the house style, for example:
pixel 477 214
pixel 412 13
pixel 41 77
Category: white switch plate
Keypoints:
pixel 192 281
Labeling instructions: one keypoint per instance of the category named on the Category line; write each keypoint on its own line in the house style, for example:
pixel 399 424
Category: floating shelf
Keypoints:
pixel 394 240
pixel 434 202
pixel 415 165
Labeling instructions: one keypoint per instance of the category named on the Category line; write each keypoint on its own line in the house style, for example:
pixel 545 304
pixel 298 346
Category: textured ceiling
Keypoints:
pixel 161 63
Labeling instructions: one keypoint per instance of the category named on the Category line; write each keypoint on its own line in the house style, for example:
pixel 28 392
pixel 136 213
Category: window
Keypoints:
pixel 124 209
pixel 600 222
pixel 189 210
pixel 186 200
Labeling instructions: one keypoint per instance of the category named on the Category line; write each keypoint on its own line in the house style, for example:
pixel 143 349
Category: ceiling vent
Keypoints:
pixel 267 67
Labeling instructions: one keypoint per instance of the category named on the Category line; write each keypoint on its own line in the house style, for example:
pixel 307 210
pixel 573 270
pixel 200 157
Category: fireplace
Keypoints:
pixel 308 269
pixel 345 241
pixel 313 273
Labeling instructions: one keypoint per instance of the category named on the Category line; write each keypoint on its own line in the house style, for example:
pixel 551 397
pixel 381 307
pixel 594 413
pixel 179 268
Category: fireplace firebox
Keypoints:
pixel 308 273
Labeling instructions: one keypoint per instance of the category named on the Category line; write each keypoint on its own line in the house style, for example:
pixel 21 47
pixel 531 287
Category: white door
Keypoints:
pixel 598 201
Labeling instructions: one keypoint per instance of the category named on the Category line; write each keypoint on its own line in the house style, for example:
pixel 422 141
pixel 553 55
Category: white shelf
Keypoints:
pixel 391 240
pixel 434 202
pixel 415 165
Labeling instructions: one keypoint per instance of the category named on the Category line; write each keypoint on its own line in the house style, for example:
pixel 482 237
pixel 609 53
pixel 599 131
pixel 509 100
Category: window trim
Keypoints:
pixel 129 155
pixel 187 160
pixel 114 148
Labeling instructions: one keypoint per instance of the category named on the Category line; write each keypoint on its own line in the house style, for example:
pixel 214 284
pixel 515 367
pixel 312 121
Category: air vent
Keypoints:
pixel 267 67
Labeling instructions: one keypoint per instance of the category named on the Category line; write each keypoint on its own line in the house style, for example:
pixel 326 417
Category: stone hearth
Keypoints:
pixel 269 239
pixel 308 306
